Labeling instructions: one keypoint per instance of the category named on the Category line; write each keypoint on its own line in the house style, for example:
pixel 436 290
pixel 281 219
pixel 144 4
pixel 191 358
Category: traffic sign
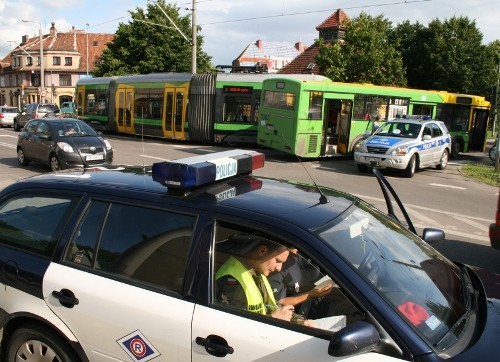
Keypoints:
pixel 43 93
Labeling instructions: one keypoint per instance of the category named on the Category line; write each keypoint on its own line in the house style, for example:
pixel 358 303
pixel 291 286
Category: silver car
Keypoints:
pixel 7 115
pixel 407 145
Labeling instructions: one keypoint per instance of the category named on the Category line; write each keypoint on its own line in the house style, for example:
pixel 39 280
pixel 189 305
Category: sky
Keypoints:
pixel 229 26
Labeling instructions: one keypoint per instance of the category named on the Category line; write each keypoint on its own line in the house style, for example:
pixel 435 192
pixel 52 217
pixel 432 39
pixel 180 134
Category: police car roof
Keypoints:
pixel 241 195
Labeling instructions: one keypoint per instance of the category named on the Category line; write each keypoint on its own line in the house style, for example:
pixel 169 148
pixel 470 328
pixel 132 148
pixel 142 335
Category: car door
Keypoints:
pixel 426 152
pixel 42 142
pixel 221 331
pixel 27 140
pixel 124 299
pixel 439 143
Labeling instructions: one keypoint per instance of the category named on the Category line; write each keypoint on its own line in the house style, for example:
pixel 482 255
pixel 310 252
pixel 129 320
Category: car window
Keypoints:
pixel 42 129
pixel 261 275
pixel 427 131
pixel 34 223
pixel 31 126
pixel 143 244
pixel 436 131
pixel 47 108
pixel 9 110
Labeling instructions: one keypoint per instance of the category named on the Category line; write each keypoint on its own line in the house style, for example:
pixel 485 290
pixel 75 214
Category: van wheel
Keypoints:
pixel 40 344
pixel 412 166
pixel 444 161
pixel 54 163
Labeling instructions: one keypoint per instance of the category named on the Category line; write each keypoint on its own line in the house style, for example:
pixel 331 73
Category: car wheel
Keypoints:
pixel 443 161
pixel 54 163
pixel 23 161
pixel 40 344
pixel 412 166
pixel 16 126
pixel 362 168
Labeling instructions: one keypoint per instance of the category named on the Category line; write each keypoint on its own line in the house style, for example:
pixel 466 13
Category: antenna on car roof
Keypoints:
pixel 322 199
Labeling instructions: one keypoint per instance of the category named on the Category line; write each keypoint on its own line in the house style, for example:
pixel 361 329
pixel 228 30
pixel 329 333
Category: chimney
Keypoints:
pixel 53 30
pixel 259 44
pixel 25 39
pixel 299 46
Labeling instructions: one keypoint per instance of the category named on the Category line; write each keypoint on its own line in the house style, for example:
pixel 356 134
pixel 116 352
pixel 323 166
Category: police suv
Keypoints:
pixel 119 264
pixel 405 144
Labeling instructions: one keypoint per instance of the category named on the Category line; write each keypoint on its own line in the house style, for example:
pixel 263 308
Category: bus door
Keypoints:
pixel 477 139
pixel 336 123
pixel 124 111
pixel 175 111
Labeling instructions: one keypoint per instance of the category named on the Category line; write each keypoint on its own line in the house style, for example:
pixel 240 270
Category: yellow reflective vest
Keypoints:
pixel 255 301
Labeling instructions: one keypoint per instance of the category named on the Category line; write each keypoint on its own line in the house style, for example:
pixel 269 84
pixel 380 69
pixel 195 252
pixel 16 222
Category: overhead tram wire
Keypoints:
pixel 316 11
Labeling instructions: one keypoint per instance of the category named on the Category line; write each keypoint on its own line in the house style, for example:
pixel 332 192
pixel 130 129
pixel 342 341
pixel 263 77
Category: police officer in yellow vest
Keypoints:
pixel 242 280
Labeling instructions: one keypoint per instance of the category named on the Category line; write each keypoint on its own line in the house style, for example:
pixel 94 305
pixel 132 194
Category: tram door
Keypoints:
pixel 80 102
pixel 175 111
pixel 124 111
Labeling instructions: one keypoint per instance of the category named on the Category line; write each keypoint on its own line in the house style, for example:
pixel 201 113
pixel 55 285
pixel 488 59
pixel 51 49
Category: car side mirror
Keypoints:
pixel 356 338
pixel 427 137
pixel 431 235
pixel 366 134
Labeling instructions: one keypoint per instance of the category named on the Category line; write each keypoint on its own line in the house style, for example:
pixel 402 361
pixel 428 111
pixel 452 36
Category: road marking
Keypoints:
pixel 7 135
pixel 154 158
pixel 7 145
pixel 449 186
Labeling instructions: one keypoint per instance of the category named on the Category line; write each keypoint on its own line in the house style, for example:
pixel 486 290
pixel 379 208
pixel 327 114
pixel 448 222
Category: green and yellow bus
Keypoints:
pixel 315 119
pixel 202 108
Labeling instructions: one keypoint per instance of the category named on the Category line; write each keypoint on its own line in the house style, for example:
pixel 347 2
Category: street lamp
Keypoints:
pixel 87 49
pixel 42 75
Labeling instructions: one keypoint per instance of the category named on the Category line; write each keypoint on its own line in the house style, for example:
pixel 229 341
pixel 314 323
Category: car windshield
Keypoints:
pixel 399 129
pixel 72 129
pixel 48 108
pixel 417 281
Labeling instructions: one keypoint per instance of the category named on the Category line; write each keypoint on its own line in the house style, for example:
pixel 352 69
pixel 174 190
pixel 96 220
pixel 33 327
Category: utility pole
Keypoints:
pixel 193 41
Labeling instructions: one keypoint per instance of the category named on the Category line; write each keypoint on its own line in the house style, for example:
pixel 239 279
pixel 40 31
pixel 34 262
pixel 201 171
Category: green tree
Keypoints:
pixel 451 57
pixel 149 43
pixel 367 55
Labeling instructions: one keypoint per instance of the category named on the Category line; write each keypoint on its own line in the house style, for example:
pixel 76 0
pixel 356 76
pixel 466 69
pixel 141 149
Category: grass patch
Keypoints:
pixel 482 173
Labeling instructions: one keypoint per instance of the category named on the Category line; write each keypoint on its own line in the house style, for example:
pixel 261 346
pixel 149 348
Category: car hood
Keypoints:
pixel 83 142
pixel 389 142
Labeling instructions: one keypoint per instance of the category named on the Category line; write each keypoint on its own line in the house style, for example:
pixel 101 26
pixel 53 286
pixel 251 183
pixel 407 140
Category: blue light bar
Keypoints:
pixel 202 170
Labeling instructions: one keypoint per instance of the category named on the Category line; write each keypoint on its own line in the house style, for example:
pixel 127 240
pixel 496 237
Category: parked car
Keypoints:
pixel 62 143
pixel 35 110
pixel 406 144
pixel 123 264
pixel 7 115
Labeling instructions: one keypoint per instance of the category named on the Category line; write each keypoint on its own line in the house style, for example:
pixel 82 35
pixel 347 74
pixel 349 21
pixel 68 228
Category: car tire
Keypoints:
pixel 21 158
pixel 412 167
pixel 16 126
pixel 38 344
pixel 443 162
pixel 54 163
pixel 362 167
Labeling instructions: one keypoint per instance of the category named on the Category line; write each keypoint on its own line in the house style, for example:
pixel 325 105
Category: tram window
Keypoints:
pixel 238 108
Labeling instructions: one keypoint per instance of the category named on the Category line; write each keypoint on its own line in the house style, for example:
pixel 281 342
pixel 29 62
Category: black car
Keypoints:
pixel 125 264
pixel 62 143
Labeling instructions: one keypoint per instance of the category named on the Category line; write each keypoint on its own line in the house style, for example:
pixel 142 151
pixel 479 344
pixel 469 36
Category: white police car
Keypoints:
pixel 120 264
pixel 405 144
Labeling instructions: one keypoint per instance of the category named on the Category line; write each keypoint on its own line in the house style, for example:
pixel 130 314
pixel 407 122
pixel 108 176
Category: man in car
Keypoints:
pixel 242 279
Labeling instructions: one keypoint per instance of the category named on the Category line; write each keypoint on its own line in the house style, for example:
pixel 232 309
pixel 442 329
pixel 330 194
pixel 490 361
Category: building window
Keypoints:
pixel 29 61
pixel 65 79
pixel 68 61
pixel 56 60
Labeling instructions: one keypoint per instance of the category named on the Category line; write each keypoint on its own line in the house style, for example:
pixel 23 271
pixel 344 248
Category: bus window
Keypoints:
pixel 279 100
pixel 315 105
